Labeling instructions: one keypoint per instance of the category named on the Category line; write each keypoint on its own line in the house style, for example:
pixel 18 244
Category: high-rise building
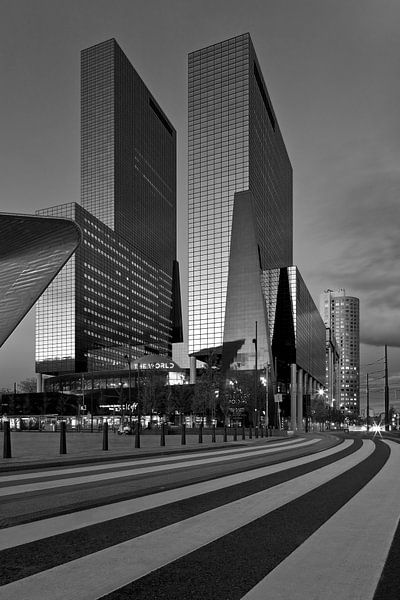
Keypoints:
pixel 119 294
pixel 235 147
pixel 342 314
pixel 247 302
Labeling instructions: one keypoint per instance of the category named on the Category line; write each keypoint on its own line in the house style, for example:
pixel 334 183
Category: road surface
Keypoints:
pixel 311 517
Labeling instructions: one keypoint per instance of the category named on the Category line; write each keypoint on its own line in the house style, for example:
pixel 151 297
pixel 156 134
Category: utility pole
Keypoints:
pixel 386 392
pixel 255 342
pixel 367 403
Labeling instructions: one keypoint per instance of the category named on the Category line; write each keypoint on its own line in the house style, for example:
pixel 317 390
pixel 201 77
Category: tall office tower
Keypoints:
pixel 119 294
pixel 236 156
pixel 342 314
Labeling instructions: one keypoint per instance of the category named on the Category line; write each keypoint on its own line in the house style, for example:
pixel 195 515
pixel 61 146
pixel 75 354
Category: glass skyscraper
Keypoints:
pixel 119 294
pixel 235 145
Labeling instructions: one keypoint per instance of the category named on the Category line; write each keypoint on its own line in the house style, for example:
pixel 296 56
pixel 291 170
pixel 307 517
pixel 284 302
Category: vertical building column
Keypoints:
pixel 192 369
pixel 39 382
pixel 330 374
pixel 293 396
pixel 306 390
pixel 300 391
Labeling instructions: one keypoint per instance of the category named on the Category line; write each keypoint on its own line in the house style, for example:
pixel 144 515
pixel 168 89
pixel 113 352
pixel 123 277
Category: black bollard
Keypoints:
pixel 213 438
pixel 235 432
pixel 105 435
pixel 162 438
pixel 243 433
pixel 225 433
pixel 63 441
pixel 137 435
pixel 201 433
pixel 256 432
pixel 7 440
pixel 183 434
pixel 250 433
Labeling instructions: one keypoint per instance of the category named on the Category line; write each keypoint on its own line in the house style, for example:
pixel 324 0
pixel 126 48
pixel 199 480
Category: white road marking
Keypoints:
pixel 344 558
pixel 84 479
pixel 30 532
pixel 103 572
pixel 5 477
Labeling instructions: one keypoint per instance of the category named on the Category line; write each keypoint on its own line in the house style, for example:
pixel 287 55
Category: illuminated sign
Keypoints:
pixel 155 362
pixel 165 366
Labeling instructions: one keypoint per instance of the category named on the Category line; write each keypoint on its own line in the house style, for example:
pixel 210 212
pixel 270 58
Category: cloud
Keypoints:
pixel 356 240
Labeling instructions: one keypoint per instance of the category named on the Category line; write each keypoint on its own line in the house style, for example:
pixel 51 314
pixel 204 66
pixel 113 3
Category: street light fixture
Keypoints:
pixel 128 360
pixel 255 342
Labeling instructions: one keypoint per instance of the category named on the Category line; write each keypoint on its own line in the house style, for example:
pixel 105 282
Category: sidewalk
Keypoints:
pixel 33 449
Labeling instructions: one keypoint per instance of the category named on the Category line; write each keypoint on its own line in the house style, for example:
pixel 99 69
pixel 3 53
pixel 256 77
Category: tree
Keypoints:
pixel 204 398
pixel 241 391
pixel 179 399
pixel 319 409
pixel 152 392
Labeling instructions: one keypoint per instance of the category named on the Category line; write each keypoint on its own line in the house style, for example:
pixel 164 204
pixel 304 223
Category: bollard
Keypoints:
pixel 7 440
pixel 225 433
pixel 105 435
pixel 137 435
pixel 183 434
pixel 201 433
pixel 213 438
pixel 162 439
pixel 256 432
pixel 235 432
pixel 63 441
pixel 250 433
pixel 243 433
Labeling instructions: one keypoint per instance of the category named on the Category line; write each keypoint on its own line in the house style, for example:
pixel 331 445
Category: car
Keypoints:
pixel 125 430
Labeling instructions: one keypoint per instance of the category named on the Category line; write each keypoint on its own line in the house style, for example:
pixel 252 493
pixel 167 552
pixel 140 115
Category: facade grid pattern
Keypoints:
pixel 120 284
pixel 230 128
pixel 106 301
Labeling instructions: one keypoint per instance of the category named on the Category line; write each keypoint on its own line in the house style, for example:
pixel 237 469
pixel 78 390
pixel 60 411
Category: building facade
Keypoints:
pixel 235 146
pixel 342 314
pixel 32 251
pixel 297 335
pixel 118 297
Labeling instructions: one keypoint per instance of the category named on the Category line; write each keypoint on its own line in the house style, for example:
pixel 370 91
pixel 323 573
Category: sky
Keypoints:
pixel 332 72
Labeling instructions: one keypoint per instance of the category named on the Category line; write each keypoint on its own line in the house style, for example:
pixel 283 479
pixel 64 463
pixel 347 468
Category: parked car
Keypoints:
pixel 125 430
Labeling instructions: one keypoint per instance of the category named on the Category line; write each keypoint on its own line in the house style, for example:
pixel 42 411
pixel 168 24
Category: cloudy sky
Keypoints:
pixel 333 73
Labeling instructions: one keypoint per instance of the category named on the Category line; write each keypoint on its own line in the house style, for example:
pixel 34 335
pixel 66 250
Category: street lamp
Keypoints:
pixel 255 342
pixel 128 360
pixel 137 436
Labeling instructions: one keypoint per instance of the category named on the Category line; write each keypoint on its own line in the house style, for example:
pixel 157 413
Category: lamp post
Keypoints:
pixel 137 436
pixel 121 401
pixel 367 402
pixel 128 360
pixel 255 342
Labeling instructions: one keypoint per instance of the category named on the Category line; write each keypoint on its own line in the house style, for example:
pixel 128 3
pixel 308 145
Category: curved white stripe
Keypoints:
pixel 348 552
pixel 105 571
pixel 84 479
pixel 5 477
pixel 30 532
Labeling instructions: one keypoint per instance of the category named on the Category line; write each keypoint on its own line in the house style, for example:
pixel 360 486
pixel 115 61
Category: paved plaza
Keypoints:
pixel 35 446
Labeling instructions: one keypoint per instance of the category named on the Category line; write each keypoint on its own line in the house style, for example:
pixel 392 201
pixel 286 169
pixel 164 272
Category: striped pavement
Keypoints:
pixel 319 525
